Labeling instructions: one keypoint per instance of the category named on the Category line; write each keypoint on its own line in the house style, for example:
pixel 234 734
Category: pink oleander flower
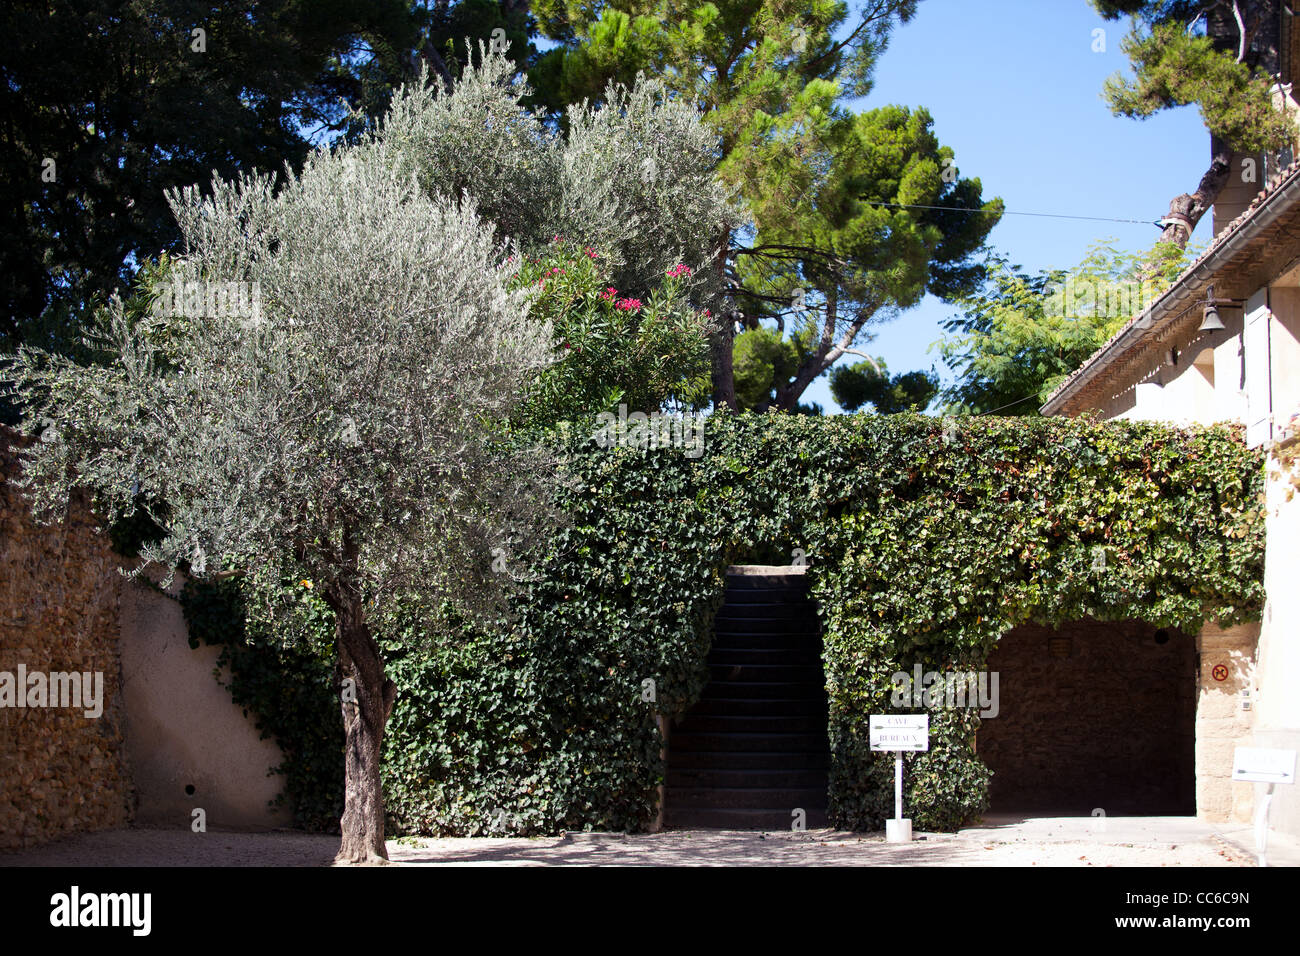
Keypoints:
pixel 628 305
pixel 681 269
pixel 609 293
pixel 556 271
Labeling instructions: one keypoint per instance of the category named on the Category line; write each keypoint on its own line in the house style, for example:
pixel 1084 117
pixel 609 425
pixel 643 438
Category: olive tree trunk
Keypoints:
pixel 367 700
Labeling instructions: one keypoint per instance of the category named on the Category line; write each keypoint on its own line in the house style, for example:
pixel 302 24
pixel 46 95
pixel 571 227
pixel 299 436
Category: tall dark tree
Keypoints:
pixel 507 26
pixel 104 104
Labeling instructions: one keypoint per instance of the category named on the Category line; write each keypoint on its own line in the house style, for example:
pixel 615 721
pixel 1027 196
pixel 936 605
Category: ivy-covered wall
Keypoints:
pixel 926 540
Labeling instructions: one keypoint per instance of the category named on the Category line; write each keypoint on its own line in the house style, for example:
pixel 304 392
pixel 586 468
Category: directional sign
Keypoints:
pixel 1263 765
pixel 899 732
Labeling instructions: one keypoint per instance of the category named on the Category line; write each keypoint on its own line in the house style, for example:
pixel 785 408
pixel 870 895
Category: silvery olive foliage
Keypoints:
pixel 633 175
pixel 481 140
pixel 344 427
pixel 638 180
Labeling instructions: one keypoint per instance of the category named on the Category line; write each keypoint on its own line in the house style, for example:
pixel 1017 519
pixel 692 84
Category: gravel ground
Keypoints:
pixel 1185 843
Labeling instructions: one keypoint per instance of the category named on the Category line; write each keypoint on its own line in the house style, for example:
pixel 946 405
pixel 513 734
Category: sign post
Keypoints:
pixel 899 733
pixel 1263 765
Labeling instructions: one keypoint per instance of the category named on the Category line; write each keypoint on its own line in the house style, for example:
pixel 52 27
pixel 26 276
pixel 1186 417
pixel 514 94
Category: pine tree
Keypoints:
pixel 850 218
pixel 1223 56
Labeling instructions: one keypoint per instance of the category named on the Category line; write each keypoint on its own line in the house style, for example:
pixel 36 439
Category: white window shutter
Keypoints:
pixel 1259 384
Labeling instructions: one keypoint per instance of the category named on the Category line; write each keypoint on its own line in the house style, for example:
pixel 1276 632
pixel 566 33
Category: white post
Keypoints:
pixel 1261 825
pixel 898 785
pixel 898 830
pixel 899 733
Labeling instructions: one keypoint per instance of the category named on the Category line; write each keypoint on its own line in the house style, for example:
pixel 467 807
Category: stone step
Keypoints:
pixel 694 723
pixel 682 741
pixel 791 630
pixel 768 610
pixel 749 760
pixel 738 819
pixel 784 582
pixel 763 690
pixel 767 673
pixel 747 798
pixel 772 642
pixel 811 705
pixel 726 656
pixel 700 777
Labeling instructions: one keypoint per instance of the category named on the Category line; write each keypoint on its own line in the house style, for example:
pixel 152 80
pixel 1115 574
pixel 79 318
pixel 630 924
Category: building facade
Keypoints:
pixel 1222 345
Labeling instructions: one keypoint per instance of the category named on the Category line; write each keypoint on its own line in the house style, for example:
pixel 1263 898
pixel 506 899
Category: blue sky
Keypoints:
pixel 1014 87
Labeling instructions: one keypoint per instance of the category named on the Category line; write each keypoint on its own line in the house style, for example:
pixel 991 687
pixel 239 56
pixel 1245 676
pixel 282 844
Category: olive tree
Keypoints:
pixel 631 175
pixel 320 386
pixel 323 377
pixel 637 178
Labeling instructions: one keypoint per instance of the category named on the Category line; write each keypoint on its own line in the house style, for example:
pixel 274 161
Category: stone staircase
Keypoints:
pixel 754 748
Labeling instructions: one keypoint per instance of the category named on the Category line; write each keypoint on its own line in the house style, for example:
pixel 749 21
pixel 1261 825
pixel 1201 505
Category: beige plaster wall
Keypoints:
pixel 166 723
pixel 183 730
pixel 1205 384
pixel 1246 179
pixel 1284 339
pixel 1202 386
pixel 1277 717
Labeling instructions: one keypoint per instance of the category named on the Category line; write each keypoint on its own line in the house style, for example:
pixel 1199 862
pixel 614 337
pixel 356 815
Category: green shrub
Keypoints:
pixel 612 348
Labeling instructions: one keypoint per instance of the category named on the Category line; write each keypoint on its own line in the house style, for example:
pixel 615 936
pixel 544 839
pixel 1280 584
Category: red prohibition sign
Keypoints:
pixel 1220 672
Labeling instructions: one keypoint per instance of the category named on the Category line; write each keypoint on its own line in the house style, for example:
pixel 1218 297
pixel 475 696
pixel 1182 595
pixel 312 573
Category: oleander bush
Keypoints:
pixel 612 347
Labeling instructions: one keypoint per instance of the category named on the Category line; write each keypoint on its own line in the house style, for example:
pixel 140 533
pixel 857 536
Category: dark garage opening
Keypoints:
pixel 1093 715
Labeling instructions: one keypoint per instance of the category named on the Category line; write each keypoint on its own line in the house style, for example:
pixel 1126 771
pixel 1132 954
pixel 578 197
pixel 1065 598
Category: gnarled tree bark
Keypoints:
pixel 828 351
pixel 364 720
pixel 1186 210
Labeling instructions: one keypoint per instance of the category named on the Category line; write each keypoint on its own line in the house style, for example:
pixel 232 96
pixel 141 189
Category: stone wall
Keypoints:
pixel 60 771
pixel 1225 717
pixel 169 741
pixel 1093 715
